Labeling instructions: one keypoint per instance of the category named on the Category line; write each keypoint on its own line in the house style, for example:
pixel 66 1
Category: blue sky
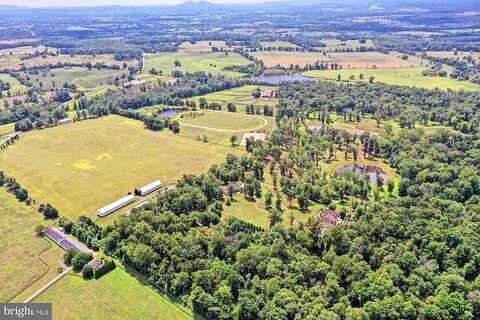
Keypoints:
pixel 70 3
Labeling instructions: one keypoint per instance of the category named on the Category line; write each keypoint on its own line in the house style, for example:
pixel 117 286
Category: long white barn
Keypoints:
pixel 114 206
pixel 150 187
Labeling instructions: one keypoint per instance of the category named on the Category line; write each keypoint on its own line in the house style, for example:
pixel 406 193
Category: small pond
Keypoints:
pixel 372 171
pixel 277 79
pixel 170 113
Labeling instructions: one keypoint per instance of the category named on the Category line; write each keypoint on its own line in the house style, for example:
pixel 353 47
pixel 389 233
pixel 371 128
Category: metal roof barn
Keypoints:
pixel 150 187
pixel 122 202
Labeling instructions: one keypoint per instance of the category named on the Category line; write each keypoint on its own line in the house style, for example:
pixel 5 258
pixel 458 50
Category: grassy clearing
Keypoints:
pixel 15 86
pixel 14 62
pixel 7 128
pixel 115 296
pixel 241 97
pixel 20 263
pixel 211 62
pixel 278 44
pixel 403 77
pixel 204 46
pixel 346 59
pixel 81 77
pixel 83 166
pixel 334 44
pixel 224 121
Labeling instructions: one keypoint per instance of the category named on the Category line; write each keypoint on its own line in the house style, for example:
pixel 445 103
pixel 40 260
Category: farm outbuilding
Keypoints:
pixel 149 188
pixel 63 240
pixel 114 206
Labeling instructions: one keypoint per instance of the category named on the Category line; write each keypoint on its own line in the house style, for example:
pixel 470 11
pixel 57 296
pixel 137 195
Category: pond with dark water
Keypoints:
pixel 170 113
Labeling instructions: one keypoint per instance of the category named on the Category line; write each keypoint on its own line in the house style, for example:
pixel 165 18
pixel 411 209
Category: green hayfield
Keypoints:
pixel 16 86
pixel 115 296
pixel 82 77
pixel 204 46
pixel 240 96
pixel 20 264
pixel 225 121
pixel 83 166
pixel 401 77
pixel 348 44
pixel 212 62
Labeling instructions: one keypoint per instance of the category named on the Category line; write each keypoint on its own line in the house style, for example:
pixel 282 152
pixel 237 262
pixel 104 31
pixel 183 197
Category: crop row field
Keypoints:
pixel 402 77
pixel 209 62
pixel 347 60
pixel 81 167
pixel 115 296
pixel 27 261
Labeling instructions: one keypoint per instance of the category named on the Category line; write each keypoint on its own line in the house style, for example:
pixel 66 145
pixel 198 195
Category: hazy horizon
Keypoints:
pixel 97 3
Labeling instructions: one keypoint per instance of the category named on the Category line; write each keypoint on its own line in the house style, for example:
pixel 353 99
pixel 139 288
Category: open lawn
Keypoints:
pixel 81 167
pixel 81 77
pixel 115 296
pixel 401 77
pixel 204 46
pixel 223 121
pixel 345 59
pixel 25 259
pixel 15 86
pixel 241 97
pixel 212 62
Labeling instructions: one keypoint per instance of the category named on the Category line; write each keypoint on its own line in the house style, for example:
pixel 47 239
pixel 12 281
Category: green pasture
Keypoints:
pixel 16 86
pixel 403 77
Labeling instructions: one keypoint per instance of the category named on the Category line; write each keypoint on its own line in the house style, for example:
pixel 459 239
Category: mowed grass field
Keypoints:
pixel 278 44
pixel 14 61
pixel 241 97
pixel 402 77
pixel 210 62
pixel 82 77
pixel 115 296
pixel 334 44
pixel 346 59
pixel 224 121
pixel 15 85
pixel 81 167
pixel 7 128
pixel 22 252
pixel 204 46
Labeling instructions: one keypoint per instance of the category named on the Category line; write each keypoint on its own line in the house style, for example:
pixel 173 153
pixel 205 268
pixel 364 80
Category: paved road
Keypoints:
pixel 48 285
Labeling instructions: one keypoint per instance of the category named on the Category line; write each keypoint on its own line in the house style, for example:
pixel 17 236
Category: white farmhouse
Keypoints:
pixel 114 206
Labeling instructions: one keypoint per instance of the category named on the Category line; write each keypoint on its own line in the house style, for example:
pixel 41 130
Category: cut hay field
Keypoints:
pixel 25 259
pixel 81 167
pixel 7 128
pixel 401 77
pixel 14 62
pixel 16 86
pixel 83 78
pixel 204 46
pixel 241 97
pixel 210 62
pixel 115 296
pixel 346 59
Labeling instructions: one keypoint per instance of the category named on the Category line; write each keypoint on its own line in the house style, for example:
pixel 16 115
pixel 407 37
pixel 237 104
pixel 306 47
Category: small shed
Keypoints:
pixel 95 263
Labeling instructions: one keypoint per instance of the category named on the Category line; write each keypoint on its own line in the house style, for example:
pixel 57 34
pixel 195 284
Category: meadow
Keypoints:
pixel 335 44
pixel 115 296
pixel 241 97
pixel 278 44
pixel 16 86
pixel 81 167
pixel 14 62
pixel 224 121
pixel 204 46
pixel 346 59
pixel 83 78
pixel 7 128
pixel 402 77
pixel 210 62
pixel 26 259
